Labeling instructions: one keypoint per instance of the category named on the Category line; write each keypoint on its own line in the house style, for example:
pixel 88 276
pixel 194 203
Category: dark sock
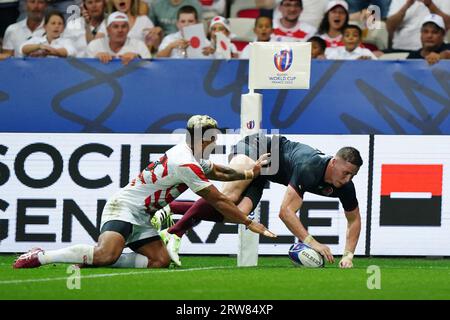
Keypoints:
pixel 180 207
pixel 201 210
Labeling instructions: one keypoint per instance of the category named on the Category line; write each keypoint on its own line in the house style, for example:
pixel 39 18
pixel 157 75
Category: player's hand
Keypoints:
pixel 261 229
pixel 262 161
pixel 346 263
pixel 323 250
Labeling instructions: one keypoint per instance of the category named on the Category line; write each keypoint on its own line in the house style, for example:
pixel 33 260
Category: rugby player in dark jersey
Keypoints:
pixel 302 169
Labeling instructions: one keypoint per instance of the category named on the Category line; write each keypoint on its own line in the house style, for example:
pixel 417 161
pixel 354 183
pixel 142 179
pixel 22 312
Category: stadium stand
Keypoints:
pixel 242 28
pixel 394 56
pixel 213 8
pixel 244 9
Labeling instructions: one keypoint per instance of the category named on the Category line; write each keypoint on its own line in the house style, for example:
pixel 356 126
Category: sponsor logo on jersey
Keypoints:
pixel 327 191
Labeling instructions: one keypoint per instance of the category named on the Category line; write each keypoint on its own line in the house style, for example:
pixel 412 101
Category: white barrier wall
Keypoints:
pixel 53 187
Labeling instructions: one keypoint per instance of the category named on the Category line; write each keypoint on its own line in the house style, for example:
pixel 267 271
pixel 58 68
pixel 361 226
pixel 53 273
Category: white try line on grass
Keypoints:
pixel 105 275
pixel 153 271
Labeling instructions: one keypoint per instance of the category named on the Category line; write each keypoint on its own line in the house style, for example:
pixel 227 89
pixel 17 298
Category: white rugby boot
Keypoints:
pixel 161 216
pixel 173 243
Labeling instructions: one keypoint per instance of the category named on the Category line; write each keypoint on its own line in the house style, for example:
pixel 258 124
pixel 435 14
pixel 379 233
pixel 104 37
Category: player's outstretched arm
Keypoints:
pixel 292 202
pixel 353 231
pixel 225 173
pixel 226 207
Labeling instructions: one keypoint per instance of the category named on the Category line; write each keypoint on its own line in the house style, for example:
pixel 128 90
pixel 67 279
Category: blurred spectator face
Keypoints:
pixel 118 31
pixel 432 36
pixel 316 50
pixel 122 5
pixel 351 39
pixel 54 26
pixel 218 27
pixel 290 10
pixel 95 8
pixel 36 9
pixel 263 29
pixel 336 17
pixel 186 19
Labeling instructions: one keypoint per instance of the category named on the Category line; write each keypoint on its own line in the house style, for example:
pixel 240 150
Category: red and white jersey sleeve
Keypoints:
pixel 300 32
pixel 193 176
pixel 165 179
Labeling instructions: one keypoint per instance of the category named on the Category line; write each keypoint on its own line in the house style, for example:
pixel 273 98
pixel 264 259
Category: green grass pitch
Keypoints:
pixel 218 278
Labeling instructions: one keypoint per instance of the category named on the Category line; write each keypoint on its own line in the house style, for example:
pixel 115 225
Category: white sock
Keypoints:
pixel 131 260
pixel 80 253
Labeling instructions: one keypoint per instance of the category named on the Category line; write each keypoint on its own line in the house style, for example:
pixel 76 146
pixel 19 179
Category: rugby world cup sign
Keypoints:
pixel 280 65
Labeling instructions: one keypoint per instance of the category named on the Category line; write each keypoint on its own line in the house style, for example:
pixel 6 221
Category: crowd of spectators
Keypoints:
pixel 130 29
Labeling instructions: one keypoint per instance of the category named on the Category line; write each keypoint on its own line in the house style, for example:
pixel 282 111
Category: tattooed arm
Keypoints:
pixel 224 173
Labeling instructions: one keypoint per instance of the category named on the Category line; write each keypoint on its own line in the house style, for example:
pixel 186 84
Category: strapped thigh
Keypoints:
pixel 255 190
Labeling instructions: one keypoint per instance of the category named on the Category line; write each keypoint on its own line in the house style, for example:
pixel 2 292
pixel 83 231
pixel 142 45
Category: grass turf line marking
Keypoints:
pixel 104 275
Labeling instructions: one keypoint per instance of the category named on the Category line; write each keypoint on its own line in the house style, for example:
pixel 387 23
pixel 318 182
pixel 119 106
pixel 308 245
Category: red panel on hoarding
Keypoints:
pixel 411 178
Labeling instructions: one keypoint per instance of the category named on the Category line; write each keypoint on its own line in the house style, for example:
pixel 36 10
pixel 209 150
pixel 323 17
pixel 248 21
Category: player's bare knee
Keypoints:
pixel 160 262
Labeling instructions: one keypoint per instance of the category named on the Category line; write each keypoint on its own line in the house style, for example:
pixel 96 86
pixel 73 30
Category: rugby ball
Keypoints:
pixel 303 255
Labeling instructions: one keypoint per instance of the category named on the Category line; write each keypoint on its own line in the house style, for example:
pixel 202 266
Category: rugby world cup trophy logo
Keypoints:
pixel 283 60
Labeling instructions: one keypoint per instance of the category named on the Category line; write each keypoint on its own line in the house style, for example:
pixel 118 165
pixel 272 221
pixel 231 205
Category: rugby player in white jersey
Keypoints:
pixel 126 217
